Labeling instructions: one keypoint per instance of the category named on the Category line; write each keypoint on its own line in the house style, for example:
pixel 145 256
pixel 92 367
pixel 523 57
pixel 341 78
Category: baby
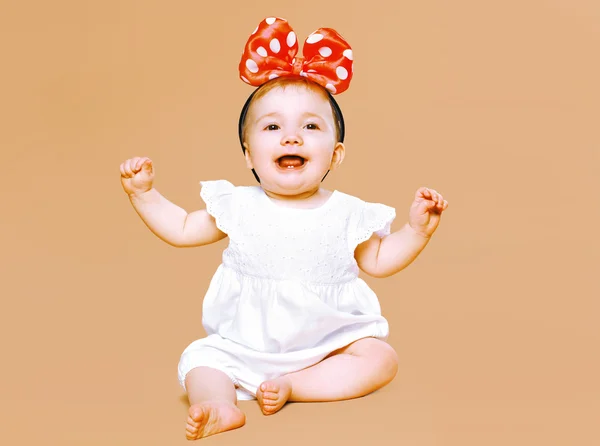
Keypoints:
pixel 286 315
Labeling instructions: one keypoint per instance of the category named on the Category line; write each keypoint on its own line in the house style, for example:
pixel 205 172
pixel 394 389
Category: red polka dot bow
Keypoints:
pixel 271 52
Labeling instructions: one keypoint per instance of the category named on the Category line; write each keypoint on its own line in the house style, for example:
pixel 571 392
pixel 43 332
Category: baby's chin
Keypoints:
pixel 292 183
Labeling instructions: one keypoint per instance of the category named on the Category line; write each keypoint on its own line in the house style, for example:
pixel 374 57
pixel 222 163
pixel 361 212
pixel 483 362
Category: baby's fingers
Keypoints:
pixel 441 205
pixel 425 205
pixel 435 196
pixel 423 192
pixel 438 198
pixel 130 167
pixel 141 163
pixel 127 167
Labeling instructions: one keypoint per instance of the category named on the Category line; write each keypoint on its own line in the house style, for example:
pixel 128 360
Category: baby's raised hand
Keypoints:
pixel 137 175
pixel 426 210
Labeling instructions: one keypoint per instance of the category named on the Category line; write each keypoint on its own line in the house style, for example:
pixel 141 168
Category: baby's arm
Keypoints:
pixel 173 224
pixel 166 220
pixel 383 257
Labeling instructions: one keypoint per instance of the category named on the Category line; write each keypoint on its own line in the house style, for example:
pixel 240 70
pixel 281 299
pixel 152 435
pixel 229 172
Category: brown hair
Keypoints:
pixel 282 82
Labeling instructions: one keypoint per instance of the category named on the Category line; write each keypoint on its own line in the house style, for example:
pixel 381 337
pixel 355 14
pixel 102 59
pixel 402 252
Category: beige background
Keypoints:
pixel 494 104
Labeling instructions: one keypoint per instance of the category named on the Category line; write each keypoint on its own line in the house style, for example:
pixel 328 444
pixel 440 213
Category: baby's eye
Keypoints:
pixel 312 126
pixel 272 127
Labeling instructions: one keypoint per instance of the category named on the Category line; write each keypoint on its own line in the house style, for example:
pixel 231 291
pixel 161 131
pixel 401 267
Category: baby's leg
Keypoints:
pixel 213 403
pixel 350 372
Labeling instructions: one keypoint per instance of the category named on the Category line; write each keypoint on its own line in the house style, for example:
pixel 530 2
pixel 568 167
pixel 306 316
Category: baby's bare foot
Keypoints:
pixel 273 394
pixel 212 417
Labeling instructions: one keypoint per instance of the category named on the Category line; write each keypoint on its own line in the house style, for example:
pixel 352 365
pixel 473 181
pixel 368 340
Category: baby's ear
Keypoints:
pixel 247 156
pixel 339 152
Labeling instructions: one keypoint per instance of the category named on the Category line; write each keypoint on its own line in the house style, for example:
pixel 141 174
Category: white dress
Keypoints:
pixel 287 292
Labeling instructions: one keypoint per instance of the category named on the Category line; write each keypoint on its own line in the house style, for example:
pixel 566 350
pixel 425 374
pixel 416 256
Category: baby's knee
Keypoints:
pixel 388 359
pixel 379 353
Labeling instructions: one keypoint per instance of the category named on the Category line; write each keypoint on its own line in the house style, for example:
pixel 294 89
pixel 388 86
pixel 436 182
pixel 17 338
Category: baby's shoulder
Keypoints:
pixel 351 201
pixel 365 209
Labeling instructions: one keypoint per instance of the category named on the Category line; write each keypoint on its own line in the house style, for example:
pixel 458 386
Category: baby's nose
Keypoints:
pixel 291 140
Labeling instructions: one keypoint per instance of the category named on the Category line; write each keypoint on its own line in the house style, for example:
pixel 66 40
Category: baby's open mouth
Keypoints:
pixel 290 161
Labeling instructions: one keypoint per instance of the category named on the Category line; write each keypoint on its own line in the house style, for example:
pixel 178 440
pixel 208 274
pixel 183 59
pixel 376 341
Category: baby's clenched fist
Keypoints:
pixel 137 175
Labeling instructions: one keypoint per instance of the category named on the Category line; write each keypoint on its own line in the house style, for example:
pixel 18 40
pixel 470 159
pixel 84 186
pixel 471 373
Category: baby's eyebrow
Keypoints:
pixel 312 115
pixel 278 114
pixel 268 115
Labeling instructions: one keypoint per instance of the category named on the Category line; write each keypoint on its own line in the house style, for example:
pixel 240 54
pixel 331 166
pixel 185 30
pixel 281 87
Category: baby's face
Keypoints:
pixel 291 140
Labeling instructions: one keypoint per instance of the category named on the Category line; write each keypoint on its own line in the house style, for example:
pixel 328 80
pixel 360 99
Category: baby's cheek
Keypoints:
pixel 263 158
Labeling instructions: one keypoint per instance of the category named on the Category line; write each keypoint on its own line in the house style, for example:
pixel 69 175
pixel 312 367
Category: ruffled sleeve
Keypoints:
pixel 218 196
pixel 372 218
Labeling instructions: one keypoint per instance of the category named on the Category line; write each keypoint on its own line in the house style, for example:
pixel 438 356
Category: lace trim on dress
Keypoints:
pixel 376 218
pixel 217 196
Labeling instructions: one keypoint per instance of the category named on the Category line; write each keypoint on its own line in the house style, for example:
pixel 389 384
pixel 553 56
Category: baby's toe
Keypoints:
pixel 191 432
pixel 270 386
pixel 196 415
pixel 273 387
pixel 269 408
pixel 270 396
pixel 191 423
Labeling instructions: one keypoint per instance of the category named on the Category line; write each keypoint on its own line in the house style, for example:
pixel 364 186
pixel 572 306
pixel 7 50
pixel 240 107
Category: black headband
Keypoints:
pixel 334 105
